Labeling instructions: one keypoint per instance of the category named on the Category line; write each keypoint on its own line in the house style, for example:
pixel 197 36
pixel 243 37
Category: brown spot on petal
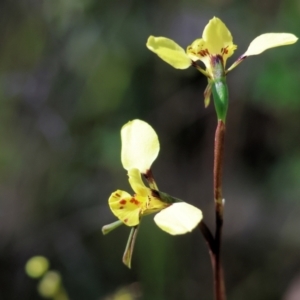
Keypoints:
pixel 134 201
pixel 224 50
pixel 203 52
pixel 125 220
pixel 118 195
pixel 123 201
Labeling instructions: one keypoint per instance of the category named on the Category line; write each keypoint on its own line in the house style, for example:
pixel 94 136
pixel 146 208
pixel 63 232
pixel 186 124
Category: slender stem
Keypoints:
pixel 219 284
pixel 214 242
pixel 209 238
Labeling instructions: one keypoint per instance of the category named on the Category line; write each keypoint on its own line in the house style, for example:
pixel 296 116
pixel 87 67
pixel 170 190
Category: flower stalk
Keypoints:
pixel 214 242
pixel 219 284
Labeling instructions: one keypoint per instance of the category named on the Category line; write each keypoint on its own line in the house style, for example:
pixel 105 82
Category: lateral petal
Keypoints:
pixel 169 51
pixel 269 40
pixel 179 218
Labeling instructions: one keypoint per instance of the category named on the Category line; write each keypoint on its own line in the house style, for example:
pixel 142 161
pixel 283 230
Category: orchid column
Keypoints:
pixel 213 50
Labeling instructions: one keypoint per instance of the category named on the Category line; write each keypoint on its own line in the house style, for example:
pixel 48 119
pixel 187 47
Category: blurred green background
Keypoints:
pixel 72 72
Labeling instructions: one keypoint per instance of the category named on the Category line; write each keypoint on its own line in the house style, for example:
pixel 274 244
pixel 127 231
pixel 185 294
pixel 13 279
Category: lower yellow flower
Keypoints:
pixel 174 218
pixel 129 209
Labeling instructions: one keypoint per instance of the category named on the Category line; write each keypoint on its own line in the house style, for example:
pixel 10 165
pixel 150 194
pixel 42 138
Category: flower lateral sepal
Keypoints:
pixel 207 93
pixel 127 256
pixel 110 227
pixel 178 218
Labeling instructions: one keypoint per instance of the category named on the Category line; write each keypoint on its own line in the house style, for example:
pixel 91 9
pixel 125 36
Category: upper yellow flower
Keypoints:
pixel 174 218
pixel 216 41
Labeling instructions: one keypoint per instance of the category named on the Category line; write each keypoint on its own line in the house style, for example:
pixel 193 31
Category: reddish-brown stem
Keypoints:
pixel 219 285
pixel 214 242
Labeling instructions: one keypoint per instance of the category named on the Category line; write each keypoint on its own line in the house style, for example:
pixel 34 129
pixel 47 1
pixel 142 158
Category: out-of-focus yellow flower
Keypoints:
pixel 216 41
pixel 50 284
pixel 37 266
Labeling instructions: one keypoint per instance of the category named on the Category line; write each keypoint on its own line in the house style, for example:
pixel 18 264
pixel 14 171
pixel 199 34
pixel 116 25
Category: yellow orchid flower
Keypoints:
pixel 140 147
pixel 129 209
pixel 216 41
pixel 174 218
pixel 213 49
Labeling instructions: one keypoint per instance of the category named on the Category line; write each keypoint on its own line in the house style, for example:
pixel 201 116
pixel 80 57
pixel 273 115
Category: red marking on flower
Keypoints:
pixel 125 220
pixel 224 50
pixel 203 52
pixel 134 201
pixel 123 201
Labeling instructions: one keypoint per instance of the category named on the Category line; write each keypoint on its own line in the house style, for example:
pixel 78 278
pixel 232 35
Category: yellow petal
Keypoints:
pixel 270 40
pixel 137 183
pixel 179 218
pixel 216 40
pixel 125 207
pixel 216 36
pixel 169 51
pixel 149 203
pixel 140 145
pixel 155 205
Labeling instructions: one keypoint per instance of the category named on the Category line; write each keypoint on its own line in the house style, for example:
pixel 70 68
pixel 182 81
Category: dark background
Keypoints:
pixel 72 72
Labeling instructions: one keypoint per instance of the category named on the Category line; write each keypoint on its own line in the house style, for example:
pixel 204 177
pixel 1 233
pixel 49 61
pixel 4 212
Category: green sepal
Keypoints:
pixel 207 93
pixel 127 256
pixel 109 227
pixel 220 95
